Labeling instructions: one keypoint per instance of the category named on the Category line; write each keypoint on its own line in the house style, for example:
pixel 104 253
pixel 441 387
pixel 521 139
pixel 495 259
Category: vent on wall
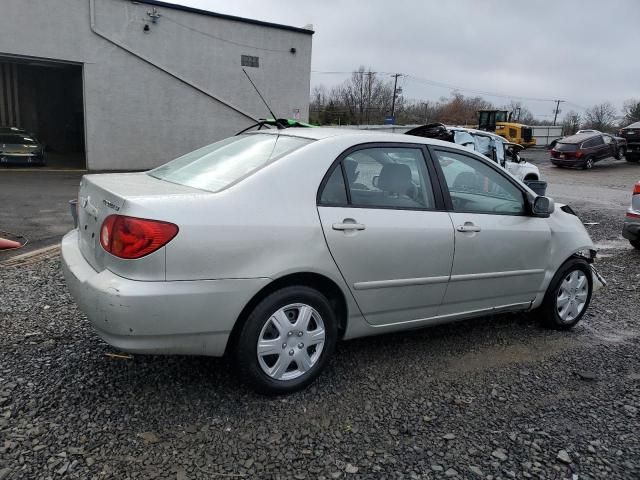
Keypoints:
pixel 249 61
pixel 9 108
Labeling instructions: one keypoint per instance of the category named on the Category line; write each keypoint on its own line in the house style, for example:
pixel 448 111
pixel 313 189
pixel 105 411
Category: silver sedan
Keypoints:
pixel 272 246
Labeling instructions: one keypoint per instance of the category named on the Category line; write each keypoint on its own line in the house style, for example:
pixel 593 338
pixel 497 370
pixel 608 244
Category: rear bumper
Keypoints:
pixel 180 317
pixel 567 163
pixel 21 159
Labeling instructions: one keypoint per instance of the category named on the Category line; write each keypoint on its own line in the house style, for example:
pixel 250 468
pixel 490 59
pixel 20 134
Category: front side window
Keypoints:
pixel 381 177
pixel 220 164
pixel 476 187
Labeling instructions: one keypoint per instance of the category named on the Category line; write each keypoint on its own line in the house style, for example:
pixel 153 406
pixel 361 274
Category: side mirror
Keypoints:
pixel 542 206
pixel 374 181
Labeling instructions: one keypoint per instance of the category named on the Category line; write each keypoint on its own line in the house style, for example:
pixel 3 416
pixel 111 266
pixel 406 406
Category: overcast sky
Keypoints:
pixel 584 52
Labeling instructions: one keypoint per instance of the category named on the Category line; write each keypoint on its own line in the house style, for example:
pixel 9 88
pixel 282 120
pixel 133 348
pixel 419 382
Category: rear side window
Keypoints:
pixel 381 177
pixel 335 192
pixel 566 147
pixel 220 164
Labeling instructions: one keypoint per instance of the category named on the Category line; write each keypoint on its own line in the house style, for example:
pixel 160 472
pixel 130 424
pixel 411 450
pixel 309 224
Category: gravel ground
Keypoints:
pixel 493 398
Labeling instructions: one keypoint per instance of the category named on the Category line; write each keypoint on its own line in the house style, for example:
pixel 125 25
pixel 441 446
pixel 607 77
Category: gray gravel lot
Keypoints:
pixel 492 398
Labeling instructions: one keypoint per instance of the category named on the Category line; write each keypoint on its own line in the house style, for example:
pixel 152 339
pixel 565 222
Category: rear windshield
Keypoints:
pixel 16 139
pixel 220 164
pixel 566 147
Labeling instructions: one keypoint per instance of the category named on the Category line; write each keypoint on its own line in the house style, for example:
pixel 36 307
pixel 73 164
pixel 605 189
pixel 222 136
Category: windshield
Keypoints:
pixel 501 117
pixel 16 139
pixel 220 164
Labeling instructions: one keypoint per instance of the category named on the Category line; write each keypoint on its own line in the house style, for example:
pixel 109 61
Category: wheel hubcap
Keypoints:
pixel 572 296
pixel 291 342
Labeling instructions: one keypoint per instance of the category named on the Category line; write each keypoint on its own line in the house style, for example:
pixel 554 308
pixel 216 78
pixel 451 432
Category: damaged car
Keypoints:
pixel 271 246
pixel 493 146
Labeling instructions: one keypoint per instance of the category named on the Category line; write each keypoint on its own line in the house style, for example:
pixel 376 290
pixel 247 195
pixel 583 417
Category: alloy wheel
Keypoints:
pixel 589 164
pixel 572 296
pixel 291 342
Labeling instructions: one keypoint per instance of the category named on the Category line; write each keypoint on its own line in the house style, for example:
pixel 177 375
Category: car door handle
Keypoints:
pixel 348 226
pixel 468 228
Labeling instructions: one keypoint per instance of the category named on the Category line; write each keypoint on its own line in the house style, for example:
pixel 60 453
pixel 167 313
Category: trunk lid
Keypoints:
pixel 102 195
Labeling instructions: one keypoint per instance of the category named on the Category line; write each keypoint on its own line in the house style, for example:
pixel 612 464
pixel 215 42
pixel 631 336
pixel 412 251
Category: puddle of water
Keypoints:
pixel 617 244
pixel 619 336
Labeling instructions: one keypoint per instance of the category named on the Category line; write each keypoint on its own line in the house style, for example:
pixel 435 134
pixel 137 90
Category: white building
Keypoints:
pixel 133 84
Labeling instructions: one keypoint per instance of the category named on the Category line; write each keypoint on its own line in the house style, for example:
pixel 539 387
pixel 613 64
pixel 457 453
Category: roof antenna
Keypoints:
pixel 265 102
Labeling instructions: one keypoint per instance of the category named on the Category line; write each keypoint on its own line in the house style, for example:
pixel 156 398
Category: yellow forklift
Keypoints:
pixel 504 124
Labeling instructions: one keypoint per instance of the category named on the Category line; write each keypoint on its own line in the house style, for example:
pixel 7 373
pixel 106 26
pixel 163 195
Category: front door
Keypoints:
pixel 379 215
pixel 501 251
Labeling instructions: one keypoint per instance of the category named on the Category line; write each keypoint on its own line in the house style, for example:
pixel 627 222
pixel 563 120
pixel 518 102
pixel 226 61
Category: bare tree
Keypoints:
pixel 520 113
pixel 631 111
pixel 601 117
pixel 571 123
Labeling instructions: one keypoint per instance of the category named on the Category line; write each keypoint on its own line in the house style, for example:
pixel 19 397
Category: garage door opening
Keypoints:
pixel 46 99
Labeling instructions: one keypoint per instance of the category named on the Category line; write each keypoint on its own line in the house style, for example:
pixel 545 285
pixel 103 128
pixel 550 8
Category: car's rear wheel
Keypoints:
pixel 286 340
pixel 568 295
pixel 635 244
pixel 632 157
pixel 588 164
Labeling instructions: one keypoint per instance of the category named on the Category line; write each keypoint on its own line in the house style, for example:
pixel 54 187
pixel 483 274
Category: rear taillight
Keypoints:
pixel 130 237
pixel 578 153
pixel 636 189
pixel 632 215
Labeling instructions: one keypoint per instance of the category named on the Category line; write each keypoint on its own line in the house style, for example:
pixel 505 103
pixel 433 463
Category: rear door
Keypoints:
pixel 602 149
pixel 385 226
pixel 501 251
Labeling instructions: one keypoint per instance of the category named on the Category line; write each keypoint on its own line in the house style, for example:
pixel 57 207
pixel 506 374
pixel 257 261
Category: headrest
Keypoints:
pixel 395 178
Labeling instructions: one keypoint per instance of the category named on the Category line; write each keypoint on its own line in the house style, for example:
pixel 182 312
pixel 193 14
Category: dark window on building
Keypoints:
pixel 249 61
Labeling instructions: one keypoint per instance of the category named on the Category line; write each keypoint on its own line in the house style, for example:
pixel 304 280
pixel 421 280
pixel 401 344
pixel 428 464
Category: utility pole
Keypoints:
pixel 368 74
pixel 395 90
pixel 555 116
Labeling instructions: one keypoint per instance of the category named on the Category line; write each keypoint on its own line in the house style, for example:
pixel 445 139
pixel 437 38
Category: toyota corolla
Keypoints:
pixel 272 246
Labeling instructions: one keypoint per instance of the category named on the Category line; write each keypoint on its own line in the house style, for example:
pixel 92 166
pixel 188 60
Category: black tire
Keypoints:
pixel 619 153
pixel 588 164
pixel 246 355
pixel 548 311
pixel 635 244
pixel 629 157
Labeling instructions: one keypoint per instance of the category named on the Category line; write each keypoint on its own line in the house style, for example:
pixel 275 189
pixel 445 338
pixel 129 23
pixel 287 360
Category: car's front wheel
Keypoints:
pixel 620 153
pixel 568 295
pixel 286 340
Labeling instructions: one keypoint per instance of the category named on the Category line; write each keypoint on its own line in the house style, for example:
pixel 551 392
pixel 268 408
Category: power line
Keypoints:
pixel 472 90
pixel 444 85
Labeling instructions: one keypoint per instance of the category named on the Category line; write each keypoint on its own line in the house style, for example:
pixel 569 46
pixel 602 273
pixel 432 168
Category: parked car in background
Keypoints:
pixel 17 146
pixel 631 227
pixel 273 245
pixel 491 145
pixel 583 150
pixel 632 135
